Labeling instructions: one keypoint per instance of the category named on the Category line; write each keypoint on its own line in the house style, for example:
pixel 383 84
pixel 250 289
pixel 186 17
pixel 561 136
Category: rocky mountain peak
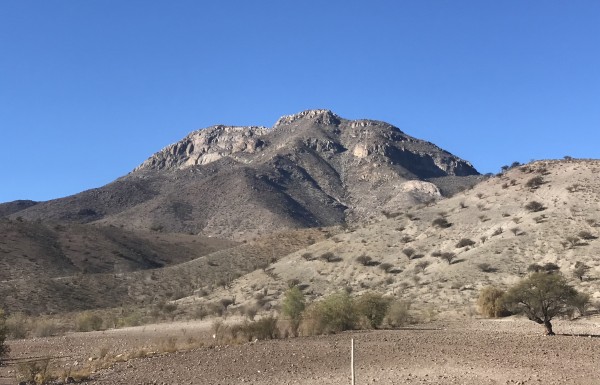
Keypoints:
pixel 325 117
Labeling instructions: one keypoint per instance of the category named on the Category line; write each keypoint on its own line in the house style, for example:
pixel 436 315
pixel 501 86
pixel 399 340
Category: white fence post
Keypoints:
pixel 352 360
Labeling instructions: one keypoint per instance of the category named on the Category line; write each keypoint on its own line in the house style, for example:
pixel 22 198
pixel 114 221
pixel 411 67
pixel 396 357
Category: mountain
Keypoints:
pixel 310 169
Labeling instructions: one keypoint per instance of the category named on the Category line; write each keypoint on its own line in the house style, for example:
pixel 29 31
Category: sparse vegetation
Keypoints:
pixel 535 182
pixel 408 252
pixel 464 242
pixel 386 267
pixel 486 267
pixel 535 206
pixel 364 259
pixel 441 222
pixel 87 322
pixel 447 256
pixel 330 257
pixel 580 270
pixel 548 267
pixel 586 235
pixel 4 349
pixel 422 265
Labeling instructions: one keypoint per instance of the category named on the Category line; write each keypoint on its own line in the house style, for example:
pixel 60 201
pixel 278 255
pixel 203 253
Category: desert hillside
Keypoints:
pixel 439 255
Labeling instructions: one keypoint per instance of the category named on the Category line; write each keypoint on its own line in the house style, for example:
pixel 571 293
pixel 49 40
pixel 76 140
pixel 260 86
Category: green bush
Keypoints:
pixel 372 306
pixel 333 314
pixel 541 297
pixel 293 305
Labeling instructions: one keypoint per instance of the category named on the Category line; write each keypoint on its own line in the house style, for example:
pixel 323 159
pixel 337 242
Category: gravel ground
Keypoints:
pixel 476 352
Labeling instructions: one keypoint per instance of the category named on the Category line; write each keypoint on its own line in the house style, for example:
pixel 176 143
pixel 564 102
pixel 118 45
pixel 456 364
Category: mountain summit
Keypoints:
pixel 310 169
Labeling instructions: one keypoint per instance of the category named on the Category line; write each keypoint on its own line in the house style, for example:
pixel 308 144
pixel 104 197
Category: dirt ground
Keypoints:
pixel 477 352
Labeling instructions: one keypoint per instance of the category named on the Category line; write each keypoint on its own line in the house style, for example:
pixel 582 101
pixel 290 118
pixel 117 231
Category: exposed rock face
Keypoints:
pixel 313 168
pixel 206 146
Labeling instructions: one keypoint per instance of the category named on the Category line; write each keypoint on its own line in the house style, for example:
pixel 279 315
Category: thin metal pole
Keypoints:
pixel 352 360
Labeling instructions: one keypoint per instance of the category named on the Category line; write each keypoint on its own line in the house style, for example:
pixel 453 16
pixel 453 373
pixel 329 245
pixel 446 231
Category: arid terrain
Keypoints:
pixel 471 351
pixel 129 283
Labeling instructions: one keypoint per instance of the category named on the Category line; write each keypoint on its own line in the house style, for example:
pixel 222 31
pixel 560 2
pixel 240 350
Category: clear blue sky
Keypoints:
pixel 89 89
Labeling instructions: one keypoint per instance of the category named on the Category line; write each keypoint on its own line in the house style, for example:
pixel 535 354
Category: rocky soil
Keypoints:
pixel 511 351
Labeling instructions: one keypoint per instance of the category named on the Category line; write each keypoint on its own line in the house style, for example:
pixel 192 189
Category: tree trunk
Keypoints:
pixel 548 327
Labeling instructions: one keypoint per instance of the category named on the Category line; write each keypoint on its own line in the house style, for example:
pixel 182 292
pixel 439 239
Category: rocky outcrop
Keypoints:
pixel 206 146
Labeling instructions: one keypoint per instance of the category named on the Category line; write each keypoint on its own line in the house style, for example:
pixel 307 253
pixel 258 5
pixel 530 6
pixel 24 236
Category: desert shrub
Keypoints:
pixel 330 257
pixel 535 182
pixel 263 329
pixel 464 242
pixel 4 349
pixel 486 267
pixel 389 214
pixel 548 267
pixel 580 303
pixel 386 267
pixel 16 326
pixel 250 311
pixel 45 328
pixel 364 260
pixel 441 223
pixel 226 302
pixel 490 302
pixel 308 256
pixel 498 231
pixel 293 305
pixel 333 314
pixel 586 235
pixel 373 307
pixel 409 251
pixel 398 314
pixel 406 239
pixel 422 265
pixel 535 206
pixel 130 318
pixel 580 270
pixel 448 256
pixel 87 322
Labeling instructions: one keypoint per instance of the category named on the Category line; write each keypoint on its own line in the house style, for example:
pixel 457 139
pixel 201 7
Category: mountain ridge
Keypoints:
pixel 310 169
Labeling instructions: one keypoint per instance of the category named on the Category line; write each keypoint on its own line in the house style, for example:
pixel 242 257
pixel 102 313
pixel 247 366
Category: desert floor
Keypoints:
pixel 508 351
